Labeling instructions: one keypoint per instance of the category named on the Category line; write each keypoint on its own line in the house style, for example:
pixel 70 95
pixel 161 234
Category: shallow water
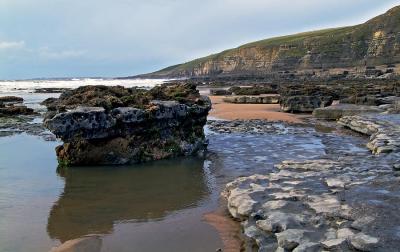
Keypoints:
pixel 157 206
pixel 30 85
pixel 148 207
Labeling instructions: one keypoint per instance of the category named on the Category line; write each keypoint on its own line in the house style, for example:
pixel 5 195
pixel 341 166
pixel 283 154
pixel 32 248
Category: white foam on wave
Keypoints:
pixel 31 85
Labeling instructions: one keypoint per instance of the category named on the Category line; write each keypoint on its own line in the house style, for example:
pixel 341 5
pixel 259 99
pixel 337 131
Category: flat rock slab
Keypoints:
pixel 335 112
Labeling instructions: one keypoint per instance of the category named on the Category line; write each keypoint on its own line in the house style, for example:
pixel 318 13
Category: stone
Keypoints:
pixel 279 221
pixel 330 234
pixel 115 125
pixel 344 233
pixel 240 204
pixel 308 247
pixel 290 238
pixel 364 242
pixel 327 204
pixel 334 244
pixel 337 182
pixel 274 205
pixel 361 223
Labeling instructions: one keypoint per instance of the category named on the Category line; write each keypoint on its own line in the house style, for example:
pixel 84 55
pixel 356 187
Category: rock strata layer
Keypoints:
pixel 263 99
pixel 384 130
pixel 115 125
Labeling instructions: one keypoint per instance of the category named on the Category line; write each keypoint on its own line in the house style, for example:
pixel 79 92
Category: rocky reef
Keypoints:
pixel 13 106
pixel 117 125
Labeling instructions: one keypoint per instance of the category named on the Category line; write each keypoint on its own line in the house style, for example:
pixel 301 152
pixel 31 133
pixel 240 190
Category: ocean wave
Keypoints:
pixel 31 85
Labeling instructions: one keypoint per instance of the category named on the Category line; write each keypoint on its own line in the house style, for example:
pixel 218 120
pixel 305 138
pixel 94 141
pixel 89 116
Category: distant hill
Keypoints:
pixel 374 43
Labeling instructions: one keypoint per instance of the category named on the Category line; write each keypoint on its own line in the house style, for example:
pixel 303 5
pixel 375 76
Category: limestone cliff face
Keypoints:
pixel 376 42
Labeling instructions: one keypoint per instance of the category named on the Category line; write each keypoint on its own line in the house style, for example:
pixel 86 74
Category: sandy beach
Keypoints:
pixel 230 111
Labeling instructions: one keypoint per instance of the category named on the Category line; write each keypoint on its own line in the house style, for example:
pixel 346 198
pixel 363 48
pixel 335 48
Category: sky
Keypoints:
pixel 112 38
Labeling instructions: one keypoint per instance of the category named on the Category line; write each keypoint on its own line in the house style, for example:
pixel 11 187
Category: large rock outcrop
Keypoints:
pixel 117 125
pixel 304 104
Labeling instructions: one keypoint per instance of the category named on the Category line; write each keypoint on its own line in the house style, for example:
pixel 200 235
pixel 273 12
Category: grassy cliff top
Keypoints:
pixel 326 39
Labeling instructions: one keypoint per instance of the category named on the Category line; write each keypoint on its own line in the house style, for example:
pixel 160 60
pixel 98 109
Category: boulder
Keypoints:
pixel 344 233
pixel 304 104
pixel 278 222
pixel 363 242
pixel 130 126
pixel 335 244
pixel 290 239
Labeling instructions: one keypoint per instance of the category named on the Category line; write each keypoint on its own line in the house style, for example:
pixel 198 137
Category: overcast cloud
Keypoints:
pixel 72 38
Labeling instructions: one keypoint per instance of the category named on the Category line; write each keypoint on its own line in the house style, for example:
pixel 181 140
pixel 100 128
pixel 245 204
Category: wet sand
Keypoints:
pixel 228 229
pixel 230 111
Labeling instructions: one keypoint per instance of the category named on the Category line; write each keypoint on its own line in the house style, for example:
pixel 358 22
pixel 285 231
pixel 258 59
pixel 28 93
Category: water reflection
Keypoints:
pixel 96 198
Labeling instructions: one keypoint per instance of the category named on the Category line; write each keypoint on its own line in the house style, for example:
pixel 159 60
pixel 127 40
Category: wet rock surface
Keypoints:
pixel 384 130
pixel 337 200
pixel 253 127
pixel 115 125
pixel 30 125
pixel 15 117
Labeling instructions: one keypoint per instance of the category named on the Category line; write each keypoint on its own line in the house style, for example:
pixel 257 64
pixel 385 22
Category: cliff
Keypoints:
pixel 347 49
